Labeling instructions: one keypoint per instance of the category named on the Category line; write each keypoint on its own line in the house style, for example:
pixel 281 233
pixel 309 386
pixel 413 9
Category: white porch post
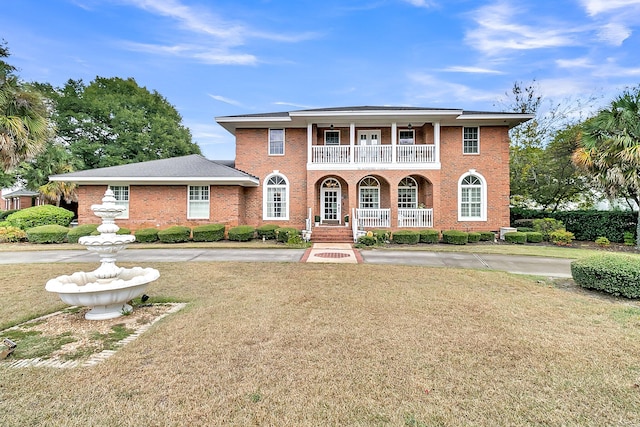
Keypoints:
pixel 352 141
pixel 309 142
pixel 394 141
pixel 436 140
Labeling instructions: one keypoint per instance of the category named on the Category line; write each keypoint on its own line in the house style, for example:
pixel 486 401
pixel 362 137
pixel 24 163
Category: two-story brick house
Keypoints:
pixel 384 167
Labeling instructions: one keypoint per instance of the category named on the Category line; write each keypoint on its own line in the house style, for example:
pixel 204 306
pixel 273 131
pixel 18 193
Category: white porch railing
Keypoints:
pixel 415 218
pixel 330 154
pixel 372 153
pixel 416 153
pixel 341 154
pixel 373 218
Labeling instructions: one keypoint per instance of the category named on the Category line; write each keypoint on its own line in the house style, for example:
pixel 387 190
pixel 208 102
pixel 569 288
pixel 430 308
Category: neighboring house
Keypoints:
pixel 384 167
pixel 21 199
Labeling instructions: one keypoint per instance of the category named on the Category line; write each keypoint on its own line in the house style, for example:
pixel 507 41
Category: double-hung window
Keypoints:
pixel 472 194
pixel 121 193
pixel 276 142
pixel 332 137
pixel 406 137
pixel 198 202
pixel 369 193
pixel 470 140
pixel 276 198
pixel 408 194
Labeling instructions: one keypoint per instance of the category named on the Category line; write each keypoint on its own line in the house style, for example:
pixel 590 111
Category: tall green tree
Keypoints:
pixel 24 123
pixel 610 148
pixel 113 121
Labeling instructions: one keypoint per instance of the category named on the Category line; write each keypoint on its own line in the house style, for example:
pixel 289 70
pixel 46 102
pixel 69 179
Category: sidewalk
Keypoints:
pixel 342 253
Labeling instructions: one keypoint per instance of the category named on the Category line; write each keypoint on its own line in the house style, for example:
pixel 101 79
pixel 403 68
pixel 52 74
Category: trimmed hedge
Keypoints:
pixel 241 233
pixel 175 234
pixel 487 236
pixel 516 237
pixel 5 214
pixel 455 237
pixel 12 234
pixel 406 237
pixel 367 240
pixel 473 237
pixel 267 231
pixel 616 274
pixel 208 233
pixel 147 235
pixel 534 237
pixel 429 236
pixel 52 233
pixel 285 233
pixel 40 215
pixel 80 231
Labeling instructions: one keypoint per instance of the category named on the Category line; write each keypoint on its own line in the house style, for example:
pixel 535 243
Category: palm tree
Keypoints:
pixel 610 148
pixel 24 123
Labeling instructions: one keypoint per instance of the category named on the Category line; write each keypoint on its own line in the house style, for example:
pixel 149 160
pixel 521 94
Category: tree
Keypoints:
pixel 113 121
pixel 24 123
pixel 610 148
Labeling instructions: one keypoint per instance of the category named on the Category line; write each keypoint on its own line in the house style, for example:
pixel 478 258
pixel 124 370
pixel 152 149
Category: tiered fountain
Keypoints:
pixel 107 289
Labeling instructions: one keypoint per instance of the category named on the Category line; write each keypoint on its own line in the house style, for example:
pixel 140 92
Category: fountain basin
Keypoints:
pixel 107 297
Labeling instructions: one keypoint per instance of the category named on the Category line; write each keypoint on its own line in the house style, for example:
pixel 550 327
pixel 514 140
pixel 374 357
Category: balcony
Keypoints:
pixel 334 155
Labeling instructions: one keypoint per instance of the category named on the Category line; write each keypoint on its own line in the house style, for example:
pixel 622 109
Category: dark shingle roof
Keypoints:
pixel 22 193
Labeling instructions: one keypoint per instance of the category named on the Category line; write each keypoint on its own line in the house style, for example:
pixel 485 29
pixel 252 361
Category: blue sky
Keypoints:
pixel 216 58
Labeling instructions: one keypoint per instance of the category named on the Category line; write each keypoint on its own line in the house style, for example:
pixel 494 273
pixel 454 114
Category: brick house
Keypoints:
pixel 383 167
pixel 21 199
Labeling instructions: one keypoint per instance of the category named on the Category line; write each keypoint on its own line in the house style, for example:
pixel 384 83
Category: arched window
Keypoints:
pixel 369 189
pixel 276 197
pixel 408 194
pixel 472 197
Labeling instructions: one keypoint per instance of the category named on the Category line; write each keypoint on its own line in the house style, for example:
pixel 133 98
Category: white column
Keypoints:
pixel 309 142
pixel 436 140
pixel 394 141
pixel 352 141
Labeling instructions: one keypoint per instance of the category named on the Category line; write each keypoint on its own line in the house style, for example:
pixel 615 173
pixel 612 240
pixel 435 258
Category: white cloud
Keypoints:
pixel 226 100
pixel 442 91
pixel 292 104
pixel 574 63
pixel 471 70
pixel 614 33
pixel 421 3
pixel 202 53
pixel 595 7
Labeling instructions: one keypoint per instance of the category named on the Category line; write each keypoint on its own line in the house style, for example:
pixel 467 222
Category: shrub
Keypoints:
pixel 546 226
pixel 208 233
pixel 473 237
pixel 5 214
pixel 629 239
pixel 147 235
pixel 52 233
pixel 603 242
pixel 487 236
pixel 523 223
pixel 11 234
pixel 267 231
pixel 561 237
pixel 80 231
pixel 285 233
pixel 534 237
pixel 382 236
pixel 406 237
pixel 455 237
pixel 616 274
pixel 242 233
pixel 123 230
pixel 515 237
pixel 175 234
pixel 367 240
pixel 429 236
pixel 40 215
pixel 525 229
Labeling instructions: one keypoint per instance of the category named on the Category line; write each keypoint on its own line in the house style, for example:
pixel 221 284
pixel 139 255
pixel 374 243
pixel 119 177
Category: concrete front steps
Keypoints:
pixel 331 234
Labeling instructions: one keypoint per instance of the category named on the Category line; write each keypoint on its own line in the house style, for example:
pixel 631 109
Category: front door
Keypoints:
pixel 331 201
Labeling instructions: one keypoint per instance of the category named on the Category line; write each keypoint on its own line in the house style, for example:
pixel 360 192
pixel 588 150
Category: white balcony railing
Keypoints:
pixel 415 218
pixel 322 154
pixel 372 218
pixel 416 153
pixel 372 153
pixel 341 154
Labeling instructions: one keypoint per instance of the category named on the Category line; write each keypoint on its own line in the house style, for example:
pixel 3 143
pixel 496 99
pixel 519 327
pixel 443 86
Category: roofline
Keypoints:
pixel 376 112
pixel 244 182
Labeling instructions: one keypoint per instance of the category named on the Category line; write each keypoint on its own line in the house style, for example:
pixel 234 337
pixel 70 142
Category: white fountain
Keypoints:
pixel 107 289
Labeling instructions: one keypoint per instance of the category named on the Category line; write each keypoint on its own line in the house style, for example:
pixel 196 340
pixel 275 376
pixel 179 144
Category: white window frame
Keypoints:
pixel 466 140
pixel 266 194
pixel 121 193
pixel 331 131
pixel 200 198
pixel 272 142
pixel 369 187
pixel 406 141
pixel 483 196
pixel 406 188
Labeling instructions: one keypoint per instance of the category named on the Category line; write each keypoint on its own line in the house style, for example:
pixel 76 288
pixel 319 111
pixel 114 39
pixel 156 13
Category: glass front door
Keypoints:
pixel 331 200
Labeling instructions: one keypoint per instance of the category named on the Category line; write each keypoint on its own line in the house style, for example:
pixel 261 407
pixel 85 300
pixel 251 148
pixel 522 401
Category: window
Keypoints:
pixel 121 193
pixel 276 197
pixel 276 142
pixel 470 141
pixel 408 194
pixel 332 137
pixel 369 193
pixel 472 198
pixel 198 202
pixel 406 137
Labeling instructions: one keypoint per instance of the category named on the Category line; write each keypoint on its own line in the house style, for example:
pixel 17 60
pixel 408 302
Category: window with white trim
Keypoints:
pixel 470 140
pixel 332 137
pixel 472 195
pixel 276 198
pixel 198 207
pixel 408 194
pixel 406 137
pixel 276 142
pixel 121 193
pixel 369 193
